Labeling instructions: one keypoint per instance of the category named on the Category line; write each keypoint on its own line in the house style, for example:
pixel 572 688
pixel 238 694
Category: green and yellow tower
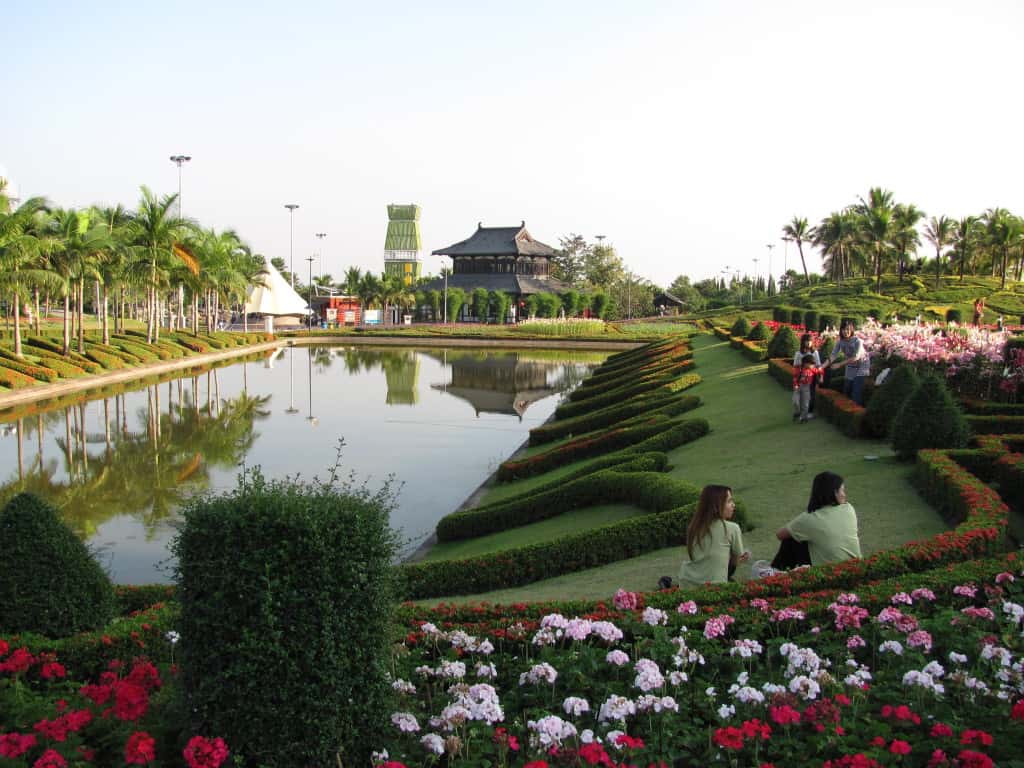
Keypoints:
pixel 402 244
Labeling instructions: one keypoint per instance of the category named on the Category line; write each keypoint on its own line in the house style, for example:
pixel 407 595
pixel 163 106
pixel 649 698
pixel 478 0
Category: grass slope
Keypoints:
pixel 769 461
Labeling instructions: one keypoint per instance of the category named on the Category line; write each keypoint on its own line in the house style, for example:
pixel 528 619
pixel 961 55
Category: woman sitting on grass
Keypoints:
pixel 825 533
pixel 713 542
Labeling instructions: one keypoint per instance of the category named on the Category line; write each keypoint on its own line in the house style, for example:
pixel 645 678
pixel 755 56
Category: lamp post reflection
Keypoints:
pixel 310 418
pixel 291 382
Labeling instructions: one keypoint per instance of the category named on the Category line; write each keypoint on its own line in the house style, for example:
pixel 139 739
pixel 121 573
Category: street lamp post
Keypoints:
pixel 309 292
pixel 444 301
pixel 770 246
pixel 291 239
pixel 320 239
pixel 785 259
pixel 180 160
pixel 752 281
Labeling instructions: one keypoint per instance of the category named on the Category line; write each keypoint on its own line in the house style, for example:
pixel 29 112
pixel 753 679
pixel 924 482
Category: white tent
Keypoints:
pixel 275 296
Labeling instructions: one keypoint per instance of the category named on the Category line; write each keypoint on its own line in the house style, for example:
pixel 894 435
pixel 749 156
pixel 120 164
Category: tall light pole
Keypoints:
pixel 291 239
pixel 444 301
pixel 785 258
pixel 320 239
pixel 752 281
pixel 770 246
pixel 180 160
pixel 309 293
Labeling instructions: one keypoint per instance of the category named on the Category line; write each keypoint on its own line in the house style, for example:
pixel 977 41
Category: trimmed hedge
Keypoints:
pixel 597 383
pixel 796 316
pixel 620 393
pixel 1008 471
pixel 989 408
pixel 831 405
pixel 784 343
pixel 826 321
pixel 995 424
pixel 650 491
pixel 14 380
pixel 285 633
pixel 759 332
pixel 886 402
pixel 108 361
pixel 50 583
pixel 50 349
pixel 566 554
pixel 613 414
pixel 755 351
pixel 929 419
pixel 41 373
pixel 811 320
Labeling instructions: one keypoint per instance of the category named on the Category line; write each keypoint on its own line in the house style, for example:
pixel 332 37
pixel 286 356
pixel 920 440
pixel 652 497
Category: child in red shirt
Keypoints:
pixel 803 377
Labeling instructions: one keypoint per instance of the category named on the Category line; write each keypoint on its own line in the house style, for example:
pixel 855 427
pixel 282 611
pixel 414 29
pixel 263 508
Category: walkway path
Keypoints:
pixel 769 461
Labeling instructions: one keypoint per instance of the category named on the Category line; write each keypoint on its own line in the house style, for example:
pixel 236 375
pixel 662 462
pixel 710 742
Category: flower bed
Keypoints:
pixel 922 669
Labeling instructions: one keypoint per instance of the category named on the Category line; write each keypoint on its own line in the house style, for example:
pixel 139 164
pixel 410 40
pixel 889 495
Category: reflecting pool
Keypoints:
pixel 120 463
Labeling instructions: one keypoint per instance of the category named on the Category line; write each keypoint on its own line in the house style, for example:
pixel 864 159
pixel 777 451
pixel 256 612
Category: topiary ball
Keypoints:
pixel 784 344
pixel 929 419
pixel 741 327
pixel 49 581
pixel 887 400
pixel 759 333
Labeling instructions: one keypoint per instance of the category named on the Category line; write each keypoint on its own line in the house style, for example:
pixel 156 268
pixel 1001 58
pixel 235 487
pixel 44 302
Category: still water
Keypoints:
pixel 119 467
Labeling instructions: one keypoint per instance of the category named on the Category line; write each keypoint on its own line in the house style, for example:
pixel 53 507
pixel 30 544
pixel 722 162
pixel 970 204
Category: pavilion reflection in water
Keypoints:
pixel 504 384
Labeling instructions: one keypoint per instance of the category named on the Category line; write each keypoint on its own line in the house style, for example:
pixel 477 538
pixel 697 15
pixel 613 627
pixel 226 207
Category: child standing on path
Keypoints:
pixel 807 348
pixel 804 378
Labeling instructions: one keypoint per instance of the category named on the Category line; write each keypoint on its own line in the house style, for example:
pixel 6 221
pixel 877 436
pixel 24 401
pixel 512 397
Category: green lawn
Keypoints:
pixel 769 461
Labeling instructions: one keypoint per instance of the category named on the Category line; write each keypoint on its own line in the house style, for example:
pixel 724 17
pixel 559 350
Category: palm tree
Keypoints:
pixel 939 233
pixel 904 234
pixel 353 278
pixel 1001 231
pixel 836 236
pixel 965 240
pixel 876 223
pixel 155 232
pixel 78 238
pixel 798 231
pixel 369 291
pixel 19 252
pixel 112 260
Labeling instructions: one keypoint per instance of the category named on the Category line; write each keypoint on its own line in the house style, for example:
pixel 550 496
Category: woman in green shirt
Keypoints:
pixel 829 526
pixel 713 542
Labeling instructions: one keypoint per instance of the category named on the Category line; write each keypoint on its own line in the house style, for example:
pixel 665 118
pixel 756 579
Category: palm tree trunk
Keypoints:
pixel 938 267
pixel 800 248
pixel 81 316
pixel 195 313
pixel 35 296
pixel 67 328
pixel 106 316
pixel 878 269
pixel 1002 281
pixel 17 328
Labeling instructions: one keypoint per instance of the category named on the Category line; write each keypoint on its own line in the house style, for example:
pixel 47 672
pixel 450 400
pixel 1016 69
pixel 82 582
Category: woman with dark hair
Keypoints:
pixel 828 528
pixel 855 359
pixel 713 542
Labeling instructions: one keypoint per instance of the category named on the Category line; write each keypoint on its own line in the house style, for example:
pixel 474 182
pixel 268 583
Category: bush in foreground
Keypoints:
pixel 49 581
pixel 284 590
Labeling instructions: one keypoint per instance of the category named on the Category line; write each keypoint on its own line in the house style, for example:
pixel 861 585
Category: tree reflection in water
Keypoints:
pixel 143 465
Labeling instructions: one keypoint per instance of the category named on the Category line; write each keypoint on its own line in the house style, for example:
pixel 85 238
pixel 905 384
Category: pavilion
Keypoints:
pixel 504 259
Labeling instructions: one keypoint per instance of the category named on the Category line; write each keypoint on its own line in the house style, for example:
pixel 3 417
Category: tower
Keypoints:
pixel 402 243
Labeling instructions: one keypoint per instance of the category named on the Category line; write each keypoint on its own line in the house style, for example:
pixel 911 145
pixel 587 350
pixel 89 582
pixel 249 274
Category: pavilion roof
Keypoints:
pixel 498 241
pixel 509 283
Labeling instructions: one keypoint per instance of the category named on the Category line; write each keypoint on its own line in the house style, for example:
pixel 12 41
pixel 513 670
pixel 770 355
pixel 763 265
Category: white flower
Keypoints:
pixel 606 631
pixel 575 706
pixel 172 637
pixel 452 717
pixel 433 743
pixel 710 692
pixel 486 670
pixel 481 701
pixel 549 731
pixel 430 629
pixel 486 648
pixel 379 757
pixel 654 617
pixel 957 658
pixel 618 658
pixel 891 646
pixel 657 704
pixel 555 620
pixel 405 721
pixel 804 687
pixel 772 688
pixel 745 648
pixel 726 711
pixel 578 629
pixel 455 670
pixel 1000 654
pixel 648 676
pixel 546 636
pixel 747 695
pixel 616 708
pixel 424 671
pixel 587 736
pixel 403 686
pixel 678 678
pixel 539 673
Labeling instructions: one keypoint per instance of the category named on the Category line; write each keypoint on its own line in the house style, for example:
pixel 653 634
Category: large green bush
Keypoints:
pixel 285 590
pixel 811 320
pixel 826 321
pixel 825 350
pixel 929 419
pixel 888 399
pixel 49 581
pixel 796 316
pixel 784 343
pixel 954 315
pixel 741 327
pixel 759 332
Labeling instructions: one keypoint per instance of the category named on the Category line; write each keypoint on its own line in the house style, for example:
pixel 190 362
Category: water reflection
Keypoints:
pixel 120 463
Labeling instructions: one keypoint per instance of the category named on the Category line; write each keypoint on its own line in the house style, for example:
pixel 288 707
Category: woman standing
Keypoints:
pixel 855 359
pixel 828 527
pixel 713 542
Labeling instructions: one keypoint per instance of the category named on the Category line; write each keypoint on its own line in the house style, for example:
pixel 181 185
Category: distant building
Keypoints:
pixel 504 259
pixel 402 243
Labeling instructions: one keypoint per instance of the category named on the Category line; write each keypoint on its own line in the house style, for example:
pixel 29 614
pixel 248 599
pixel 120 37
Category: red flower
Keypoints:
pixel 50 759
pixel 594 754
pixel 878 741
pixel 144 675
pixel 201 752
pixel 4 648
pixel 730 738
pixel 969 759
pixel 627 741
pixel 754 728
pixel 784 715
pixel 140 749
pixel 937 759
pixel 899 747
pixel 130 700
pixel 940 730
pixel 51 670
pixel 391 764
pixel 537 764
pixel 14 745
pixel 1017 713
pixel 18 662
pixel 98 694
pixel 971 736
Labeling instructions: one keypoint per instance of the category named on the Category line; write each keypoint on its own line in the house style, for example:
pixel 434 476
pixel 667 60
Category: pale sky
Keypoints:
pixel 688 133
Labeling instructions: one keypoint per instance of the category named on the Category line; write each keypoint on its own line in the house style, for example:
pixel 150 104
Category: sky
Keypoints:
pixel 687 133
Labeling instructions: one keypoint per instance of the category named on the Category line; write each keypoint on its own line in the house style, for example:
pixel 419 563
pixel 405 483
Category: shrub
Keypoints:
pixel 929 419
pixel 954 315
pixel 780 314
pixel 811 320
pixel 874 313
pixel 642 404
pixel 50 583
pixel 784 343
pixel 759 333
pixel 741 327
pixel 14 380
pixel 628 389
pixel 284 633
pixel 825 350
pixel 996 424
pixel 23 366
pixel 888 399
pixel 796 316
pixel 48 350
pixel 109 362
pixel 825 322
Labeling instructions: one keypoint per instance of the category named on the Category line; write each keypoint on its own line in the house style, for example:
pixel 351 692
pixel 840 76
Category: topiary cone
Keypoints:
pixel 929 419
pixel 49 581
pixel 888 399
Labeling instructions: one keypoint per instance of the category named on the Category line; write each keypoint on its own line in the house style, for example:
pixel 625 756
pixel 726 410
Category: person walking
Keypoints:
pixel 979 309
pixel 807 348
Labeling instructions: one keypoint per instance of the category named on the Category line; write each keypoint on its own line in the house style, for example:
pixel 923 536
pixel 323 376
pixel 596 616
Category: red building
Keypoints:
pixel 338 310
